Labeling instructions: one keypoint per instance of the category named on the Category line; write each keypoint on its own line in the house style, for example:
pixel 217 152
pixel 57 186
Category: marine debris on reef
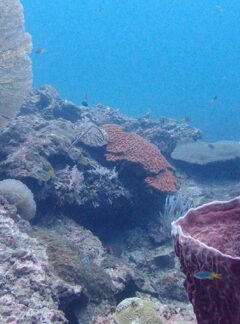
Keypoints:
pixel 207 238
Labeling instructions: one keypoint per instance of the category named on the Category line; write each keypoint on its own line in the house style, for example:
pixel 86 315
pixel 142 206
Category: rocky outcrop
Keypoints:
pixel 209 160
pixel 165 133
pixel 30 292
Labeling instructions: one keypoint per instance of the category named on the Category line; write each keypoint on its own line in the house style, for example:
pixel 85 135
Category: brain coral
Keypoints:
pixel 15 65
pixel 134 149
pixel 208 238
pixel 18 194
pixel 137 310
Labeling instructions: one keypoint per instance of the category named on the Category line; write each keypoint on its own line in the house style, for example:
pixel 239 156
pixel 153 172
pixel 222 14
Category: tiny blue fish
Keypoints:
pixel 86 260
pixel 40 51
pixel 204 274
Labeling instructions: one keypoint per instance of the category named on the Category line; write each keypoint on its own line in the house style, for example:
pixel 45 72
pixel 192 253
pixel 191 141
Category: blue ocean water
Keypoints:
pixel 167 56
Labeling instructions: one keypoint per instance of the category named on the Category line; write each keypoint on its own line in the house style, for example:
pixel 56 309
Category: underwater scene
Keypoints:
pixel 119 162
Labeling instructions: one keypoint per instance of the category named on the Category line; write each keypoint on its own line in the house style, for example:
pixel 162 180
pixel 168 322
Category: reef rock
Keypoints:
pixel 57 164
pixel 202 153
pixel 165 133
pixel 30 291
pixel 208 160
pixel 46 101
pixel 207 238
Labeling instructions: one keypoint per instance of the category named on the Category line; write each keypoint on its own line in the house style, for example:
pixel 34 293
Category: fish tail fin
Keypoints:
pixel 216 275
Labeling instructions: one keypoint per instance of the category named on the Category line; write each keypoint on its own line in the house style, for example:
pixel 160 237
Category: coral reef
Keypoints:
pixel 134 149
pixel 46 101
pixel 101 232
pixel 15 64
pixel 165 133
pixel 175 206
pixel 90 134
pixel 42 154
pixel 143 310
pixel 207 238
pixel 30 291
pixel 18 194
pixel 137 310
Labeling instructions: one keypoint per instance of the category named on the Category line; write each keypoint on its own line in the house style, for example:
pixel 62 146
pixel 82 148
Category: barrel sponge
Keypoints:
pixel 15 64
pixel 20 195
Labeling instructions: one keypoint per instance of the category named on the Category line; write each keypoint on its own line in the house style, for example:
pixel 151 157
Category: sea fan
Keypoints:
pixel 15 64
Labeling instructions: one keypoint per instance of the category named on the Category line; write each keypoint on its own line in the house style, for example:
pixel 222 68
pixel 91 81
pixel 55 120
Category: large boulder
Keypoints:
pixel 203 153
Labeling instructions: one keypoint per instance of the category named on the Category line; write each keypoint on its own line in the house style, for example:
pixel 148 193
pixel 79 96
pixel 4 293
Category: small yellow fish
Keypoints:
pixel 204 274
pixel 51 172
pixel 40 51
pixel 213 100
pixel 184 119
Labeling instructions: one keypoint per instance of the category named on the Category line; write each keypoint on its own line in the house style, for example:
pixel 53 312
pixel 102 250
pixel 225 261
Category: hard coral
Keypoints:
pixel 132 148
pixel 207 238
pixel 18 194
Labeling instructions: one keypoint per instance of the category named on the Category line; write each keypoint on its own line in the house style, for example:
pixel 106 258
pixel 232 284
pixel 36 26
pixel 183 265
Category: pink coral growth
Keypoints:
pixel 208 238
pixel 132 148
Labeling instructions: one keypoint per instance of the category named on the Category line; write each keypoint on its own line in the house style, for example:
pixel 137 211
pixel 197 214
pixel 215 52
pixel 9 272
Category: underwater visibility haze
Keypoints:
pixel 119 162
pixel 168 57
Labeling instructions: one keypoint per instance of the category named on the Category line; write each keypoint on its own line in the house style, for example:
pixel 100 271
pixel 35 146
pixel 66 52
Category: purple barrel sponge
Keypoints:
pixel 207 238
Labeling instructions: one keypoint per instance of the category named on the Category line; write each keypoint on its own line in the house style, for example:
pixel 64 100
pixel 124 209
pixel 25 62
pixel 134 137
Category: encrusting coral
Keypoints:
pixel 134 149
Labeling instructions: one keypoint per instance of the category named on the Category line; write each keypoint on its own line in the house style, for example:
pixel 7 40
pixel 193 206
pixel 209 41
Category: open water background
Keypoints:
pixel 167 56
